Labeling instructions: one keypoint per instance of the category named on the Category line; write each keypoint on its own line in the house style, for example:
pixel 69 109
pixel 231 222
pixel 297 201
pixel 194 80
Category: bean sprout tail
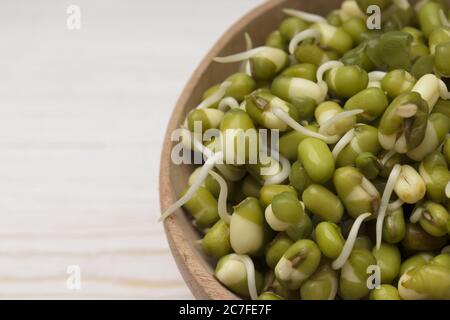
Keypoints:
pixel 239 56
pixel 416 214
pixel 284 116
pixel 222 201
pixel 389 188
pixel 250 269
pixel 309 17
pixel 209 164
pixel 325 67
pixel 350 242
pixel 343 142
pixel 219 94
pixel 301 36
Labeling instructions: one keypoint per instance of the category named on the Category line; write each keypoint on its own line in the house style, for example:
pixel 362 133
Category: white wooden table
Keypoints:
pixel 82 117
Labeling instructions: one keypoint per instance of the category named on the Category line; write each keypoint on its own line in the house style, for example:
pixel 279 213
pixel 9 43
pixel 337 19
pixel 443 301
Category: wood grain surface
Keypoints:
pixel 82 118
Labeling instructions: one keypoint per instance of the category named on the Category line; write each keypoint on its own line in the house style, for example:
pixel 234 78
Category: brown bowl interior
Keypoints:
pixel 196 268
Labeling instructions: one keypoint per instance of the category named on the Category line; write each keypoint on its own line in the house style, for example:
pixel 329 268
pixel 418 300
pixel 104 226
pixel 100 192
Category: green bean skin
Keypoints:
pixel 334 18
pixel 238 121
pixel 216 242
pixel 436 175
pixel 302 70
pixel 442 259
pixel 363 242
pixel 417 239
pixel 268 192
pixel 355 27
pixel 440 124
pixel 415 261
pixel 322 285
pixel 365 139
pixel 372 100
pixel 391 123
pixel 269 296
pixel 313 54
pixel 368 164
pixel 302 230
pixel 317 159
pixel 355 127
pixel 346 81
pixel 329 239
pixel 385 292
pixel 276 40
pixel 323 203
pixel 288 143
pixel 277 248
pixel 250 187
pixel 247 218
pixel 389 260
pixel 356 199
pixel 297 264
pixel 353 279
pixel 394 228
pixel 442 106
pixel 287 208
pixel 434 219
pixel 425 282
pixel 397 82
pixel 429 17
pixel 232 274
pixel 203 207
pixel 289 27
pixel 446 150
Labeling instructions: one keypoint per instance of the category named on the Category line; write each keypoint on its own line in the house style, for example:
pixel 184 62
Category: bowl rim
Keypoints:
pixel 199 280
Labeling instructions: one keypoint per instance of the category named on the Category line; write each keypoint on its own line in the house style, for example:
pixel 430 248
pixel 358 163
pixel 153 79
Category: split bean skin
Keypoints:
pixel 360 177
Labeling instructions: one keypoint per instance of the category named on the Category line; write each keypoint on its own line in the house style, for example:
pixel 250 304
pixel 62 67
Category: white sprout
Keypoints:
pixel 446 249
pixel 395 205
pixel 240 56
pixel 216 96
pixel 447 190
pixel 284 116
pixel 393 176
pixel 342 143
pixel 301 36
pixel 222 201
pixel 376 75
pixel 309 17
pixel 402 4
pixel 284 172
pixel 388 156
pixel 341 115
pixel 248 46
pixel 228 103
pixel 203 173
pixel 325 67
pixel 250 269
pixel 416 214
pixel 350 242
pixel 406 110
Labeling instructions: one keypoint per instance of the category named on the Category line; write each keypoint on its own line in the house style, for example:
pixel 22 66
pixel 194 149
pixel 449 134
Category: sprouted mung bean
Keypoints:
pixel 359 177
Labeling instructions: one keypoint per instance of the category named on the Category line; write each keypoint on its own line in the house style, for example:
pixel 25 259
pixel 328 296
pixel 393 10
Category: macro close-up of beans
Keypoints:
pixel 351 201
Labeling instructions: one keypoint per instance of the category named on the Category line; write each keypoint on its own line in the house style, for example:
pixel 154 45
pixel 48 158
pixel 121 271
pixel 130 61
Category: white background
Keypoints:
pixel 82 117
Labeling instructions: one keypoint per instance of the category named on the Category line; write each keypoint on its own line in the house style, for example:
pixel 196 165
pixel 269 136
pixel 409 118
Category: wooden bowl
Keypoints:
pixel 197 269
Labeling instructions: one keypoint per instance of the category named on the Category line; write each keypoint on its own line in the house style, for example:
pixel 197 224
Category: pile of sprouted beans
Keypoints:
pixel 324 160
